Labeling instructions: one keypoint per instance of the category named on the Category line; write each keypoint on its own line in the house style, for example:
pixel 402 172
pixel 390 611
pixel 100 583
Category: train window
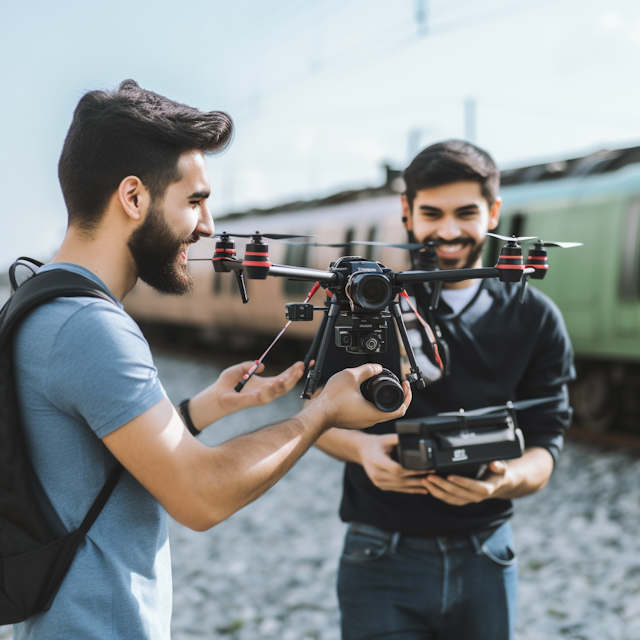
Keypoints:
pixel 217 283
pixel 517 224
pixel 297 255
pixel 349 236
pixel 371 252
pixel 630 278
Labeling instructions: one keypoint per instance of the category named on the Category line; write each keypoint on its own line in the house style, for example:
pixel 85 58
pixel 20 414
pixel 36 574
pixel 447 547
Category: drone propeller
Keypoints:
pixel 512 238
pixel 518 405
pixel 270 236
pixel 562 245
pixel 536 240
pixel 353 243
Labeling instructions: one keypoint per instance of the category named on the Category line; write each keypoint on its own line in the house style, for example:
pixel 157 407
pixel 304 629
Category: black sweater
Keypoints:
pixel 500 350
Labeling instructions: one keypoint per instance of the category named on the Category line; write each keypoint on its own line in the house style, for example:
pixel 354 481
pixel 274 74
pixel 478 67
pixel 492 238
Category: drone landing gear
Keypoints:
pixel 415 377
pixel 324 335
pixel 319 348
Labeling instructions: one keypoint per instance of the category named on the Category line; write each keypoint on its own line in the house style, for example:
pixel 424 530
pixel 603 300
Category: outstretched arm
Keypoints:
pixel 200 486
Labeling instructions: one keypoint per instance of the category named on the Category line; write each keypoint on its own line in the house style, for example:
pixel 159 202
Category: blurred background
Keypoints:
pixel 323 93
pixel 331 99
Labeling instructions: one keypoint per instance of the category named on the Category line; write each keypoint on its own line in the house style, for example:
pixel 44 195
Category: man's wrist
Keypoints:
pixel 183 409
pixel 315 417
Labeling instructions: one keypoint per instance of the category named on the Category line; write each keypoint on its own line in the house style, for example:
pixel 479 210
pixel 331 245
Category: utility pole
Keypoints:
pixel 470 120
pixel 421 15
pixel 413 143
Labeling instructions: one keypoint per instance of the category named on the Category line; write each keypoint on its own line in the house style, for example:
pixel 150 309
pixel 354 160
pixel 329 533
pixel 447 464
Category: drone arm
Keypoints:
pixel 407 277
pixel 302 273
pixel 227 264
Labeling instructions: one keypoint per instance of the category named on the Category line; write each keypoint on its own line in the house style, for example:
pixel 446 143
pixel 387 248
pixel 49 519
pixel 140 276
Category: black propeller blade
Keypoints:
pixel 562 245
pixel 270 236
pixel 512 238
pixel 518 405
pixel 536 240
pixel 354 243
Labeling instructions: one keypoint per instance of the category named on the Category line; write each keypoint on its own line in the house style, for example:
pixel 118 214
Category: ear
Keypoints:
pixel 134 197
pixel 494 214
pixel 406 212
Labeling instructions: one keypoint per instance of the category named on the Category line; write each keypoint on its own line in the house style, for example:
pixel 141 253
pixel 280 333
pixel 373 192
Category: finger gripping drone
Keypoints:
pixel 363 298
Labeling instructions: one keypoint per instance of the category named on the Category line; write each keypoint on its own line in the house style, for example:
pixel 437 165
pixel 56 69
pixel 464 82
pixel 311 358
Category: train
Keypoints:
pixel 593 199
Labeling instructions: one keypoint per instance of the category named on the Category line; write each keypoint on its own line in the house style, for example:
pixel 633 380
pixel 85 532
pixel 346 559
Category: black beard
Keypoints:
pixel 420 261
pixel 155 250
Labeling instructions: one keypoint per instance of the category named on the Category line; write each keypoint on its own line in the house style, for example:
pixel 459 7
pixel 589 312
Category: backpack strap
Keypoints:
pixel 101 500
pixel 20 262
pixel 41 288
pixel 37 290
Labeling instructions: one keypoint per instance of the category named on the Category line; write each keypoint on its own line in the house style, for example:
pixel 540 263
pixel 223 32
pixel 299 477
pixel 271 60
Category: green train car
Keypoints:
pixel 594 200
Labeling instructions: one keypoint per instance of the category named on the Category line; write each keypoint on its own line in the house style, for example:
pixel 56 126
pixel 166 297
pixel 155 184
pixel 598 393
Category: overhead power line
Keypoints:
pixel 362 55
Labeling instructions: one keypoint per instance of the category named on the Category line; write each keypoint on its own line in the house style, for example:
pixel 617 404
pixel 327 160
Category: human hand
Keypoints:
pixel 257 391
pixel 341 403
pixel 457 490
pixel 383 471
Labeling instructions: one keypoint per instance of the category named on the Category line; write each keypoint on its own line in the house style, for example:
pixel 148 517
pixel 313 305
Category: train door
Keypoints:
pixel 575 275
pixel 626 319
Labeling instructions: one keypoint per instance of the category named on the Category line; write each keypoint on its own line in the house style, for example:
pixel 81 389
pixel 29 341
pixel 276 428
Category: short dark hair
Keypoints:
pixel 452 161
pixel 130 131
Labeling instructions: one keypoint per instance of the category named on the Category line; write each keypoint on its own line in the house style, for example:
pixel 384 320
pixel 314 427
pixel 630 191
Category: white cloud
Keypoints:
pixel 624 27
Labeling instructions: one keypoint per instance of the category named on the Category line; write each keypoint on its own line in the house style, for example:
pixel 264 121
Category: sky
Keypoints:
pixel 323 92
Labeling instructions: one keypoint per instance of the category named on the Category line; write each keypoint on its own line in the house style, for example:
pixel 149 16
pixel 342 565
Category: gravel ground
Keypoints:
pixel 269 570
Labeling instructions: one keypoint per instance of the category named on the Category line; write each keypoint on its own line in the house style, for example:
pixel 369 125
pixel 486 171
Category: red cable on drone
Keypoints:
pixel 432 338
pixel 247 376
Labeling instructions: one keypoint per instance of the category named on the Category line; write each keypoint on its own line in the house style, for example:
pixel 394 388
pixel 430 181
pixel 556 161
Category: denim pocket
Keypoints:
pixel 499 548
pixel 359 547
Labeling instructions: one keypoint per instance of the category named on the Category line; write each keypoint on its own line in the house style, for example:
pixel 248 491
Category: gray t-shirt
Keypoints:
pixel 83 369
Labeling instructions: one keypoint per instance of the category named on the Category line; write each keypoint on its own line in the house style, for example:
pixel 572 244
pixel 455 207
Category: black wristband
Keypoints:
pixel 184 411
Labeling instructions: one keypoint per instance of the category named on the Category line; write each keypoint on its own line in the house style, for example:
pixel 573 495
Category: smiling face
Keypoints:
pixel 456 215
pixel 159 245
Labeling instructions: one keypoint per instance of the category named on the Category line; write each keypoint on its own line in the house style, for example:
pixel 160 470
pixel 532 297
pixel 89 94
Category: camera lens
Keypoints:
pixel 370 343
pixel 384 390
pixel 371 290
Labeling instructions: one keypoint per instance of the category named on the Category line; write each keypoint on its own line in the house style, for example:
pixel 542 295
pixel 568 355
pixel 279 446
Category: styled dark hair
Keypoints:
pixel 452 161
pixel 130 131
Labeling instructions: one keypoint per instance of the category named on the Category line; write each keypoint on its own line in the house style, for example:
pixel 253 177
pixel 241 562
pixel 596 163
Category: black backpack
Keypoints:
pixel 33 562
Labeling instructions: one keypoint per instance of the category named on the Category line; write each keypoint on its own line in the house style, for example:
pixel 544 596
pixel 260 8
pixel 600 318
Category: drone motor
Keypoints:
pixel 256 258
pixel 510 265
pixel 537 258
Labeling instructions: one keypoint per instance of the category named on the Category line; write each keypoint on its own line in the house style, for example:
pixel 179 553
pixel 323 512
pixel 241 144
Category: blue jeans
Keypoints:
pixel 399 587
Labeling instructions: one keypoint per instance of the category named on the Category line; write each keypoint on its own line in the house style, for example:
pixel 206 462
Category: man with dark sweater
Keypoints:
pixel 428 556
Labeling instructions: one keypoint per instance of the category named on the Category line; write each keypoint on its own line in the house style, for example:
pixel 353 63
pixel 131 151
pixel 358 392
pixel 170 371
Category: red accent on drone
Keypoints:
pixel 432 338
pixel 250 263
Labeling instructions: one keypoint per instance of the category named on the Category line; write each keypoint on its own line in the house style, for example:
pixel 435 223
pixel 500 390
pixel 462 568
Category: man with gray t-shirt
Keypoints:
pixel 135 183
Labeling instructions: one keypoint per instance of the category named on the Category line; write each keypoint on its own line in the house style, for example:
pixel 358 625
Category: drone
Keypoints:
pixel 363 299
